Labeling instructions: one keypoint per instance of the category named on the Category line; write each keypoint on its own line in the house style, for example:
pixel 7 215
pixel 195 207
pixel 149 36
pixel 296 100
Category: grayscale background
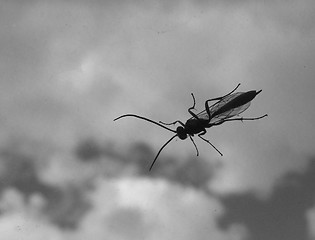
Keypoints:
pixel 68 68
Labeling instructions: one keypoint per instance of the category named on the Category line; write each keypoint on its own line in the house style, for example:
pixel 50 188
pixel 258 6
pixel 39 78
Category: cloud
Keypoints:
pixel 127 208
pixel 21 220
pixel 287 212
pixel 18 226
pixel 310 216
pixel 255 169
pixel 135 208
pixel 132 207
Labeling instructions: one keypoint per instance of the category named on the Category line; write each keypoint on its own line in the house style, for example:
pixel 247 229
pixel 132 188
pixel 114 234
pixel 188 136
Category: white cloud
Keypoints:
pixel 19 226
pixel 21 220
pixel 140 208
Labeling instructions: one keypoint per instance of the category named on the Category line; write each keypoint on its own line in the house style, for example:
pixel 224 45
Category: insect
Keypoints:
pixel 223 110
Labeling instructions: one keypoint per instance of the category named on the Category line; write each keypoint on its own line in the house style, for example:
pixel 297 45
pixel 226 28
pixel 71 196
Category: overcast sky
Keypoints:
pixel 68 68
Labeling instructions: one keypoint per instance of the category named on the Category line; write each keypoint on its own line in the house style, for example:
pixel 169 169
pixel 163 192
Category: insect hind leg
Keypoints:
pixel 239 119
pixel 207 141
pixel 207 107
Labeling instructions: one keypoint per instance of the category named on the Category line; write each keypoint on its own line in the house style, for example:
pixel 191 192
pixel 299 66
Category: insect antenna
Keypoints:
pixel 146 119
pixel 161 151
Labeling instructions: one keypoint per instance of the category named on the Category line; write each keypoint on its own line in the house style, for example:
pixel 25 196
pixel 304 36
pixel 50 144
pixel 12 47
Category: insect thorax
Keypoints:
pixel 194 126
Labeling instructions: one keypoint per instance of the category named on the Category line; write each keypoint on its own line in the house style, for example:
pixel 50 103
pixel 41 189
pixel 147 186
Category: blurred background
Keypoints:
pixel 68 68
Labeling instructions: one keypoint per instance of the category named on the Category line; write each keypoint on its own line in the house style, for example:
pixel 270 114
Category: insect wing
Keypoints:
pixel 229 113
pixel 202 115
pixel 215 107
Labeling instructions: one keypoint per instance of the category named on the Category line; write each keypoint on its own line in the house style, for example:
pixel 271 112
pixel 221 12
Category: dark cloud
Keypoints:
pixel 20 164
pixel 193 171
pixel 88 150
pixel 282 215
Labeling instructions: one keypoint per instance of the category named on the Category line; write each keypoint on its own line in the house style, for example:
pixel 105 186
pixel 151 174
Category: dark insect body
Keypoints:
pixel 226 107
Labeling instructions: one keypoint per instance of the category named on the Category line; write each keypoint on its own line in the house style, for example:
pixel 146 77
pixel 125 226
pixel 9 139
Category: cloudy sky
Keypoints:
pixel 68 68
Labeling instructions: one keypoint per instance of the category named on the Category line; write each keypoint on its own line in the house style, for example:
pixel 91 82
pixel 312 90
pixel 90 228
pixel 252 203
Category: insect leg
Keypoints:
pixel 193 107
pixel 207 107
pixel 206 140
pixel 172 123
pixel 192 140
pixel 232 91
pixel 218 98
pixel 161 151
pixel 238 119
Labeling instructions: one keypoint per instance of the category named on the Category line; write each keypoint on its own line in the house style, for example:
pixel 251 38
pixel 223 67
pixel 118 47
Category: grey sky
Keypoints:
pixel 69 68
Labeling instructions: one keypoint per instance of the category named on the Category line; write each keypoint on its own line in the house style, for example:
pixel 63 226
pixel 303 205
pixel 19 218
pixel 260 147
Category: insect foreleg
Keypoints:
pixel 206 140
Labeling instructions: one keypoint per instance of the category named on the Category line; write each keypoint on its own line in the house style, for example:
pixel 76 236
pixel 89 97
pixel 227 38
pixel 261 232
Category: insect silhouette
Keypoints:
pixel 223 110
